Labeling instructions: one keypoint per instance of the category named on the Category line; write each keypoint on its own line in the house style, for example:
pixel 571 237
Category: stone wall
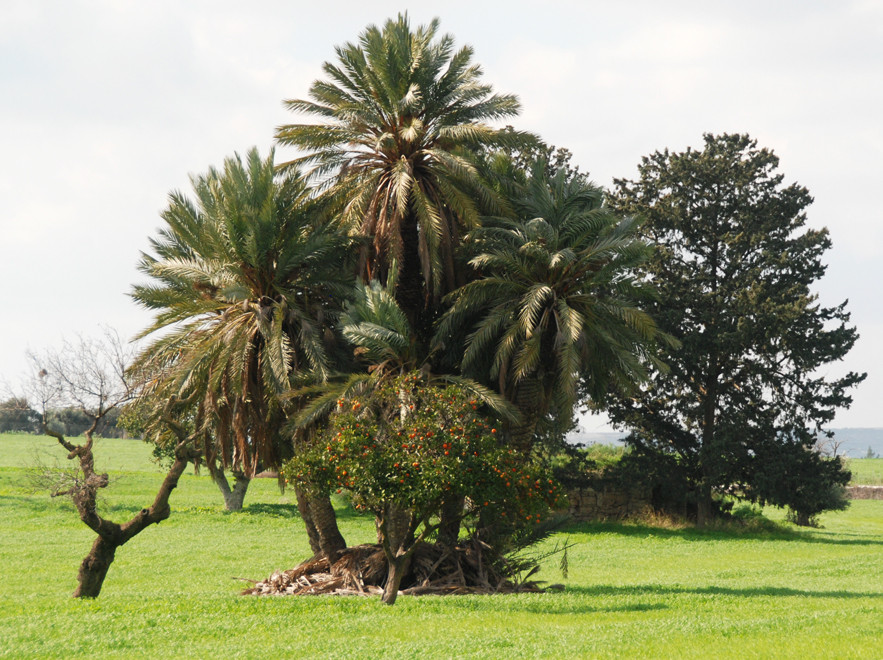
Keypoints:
pixel 864 492
pixel 602 500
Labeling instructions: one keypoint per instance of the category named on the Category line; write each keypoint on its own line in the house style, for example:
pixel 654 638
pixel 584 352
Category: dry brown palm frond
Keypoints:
pixel 469 568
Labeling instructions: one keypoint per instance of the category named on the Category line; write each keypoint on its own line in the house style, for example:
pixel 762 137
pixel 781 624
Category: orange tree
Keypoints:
pixel 404 448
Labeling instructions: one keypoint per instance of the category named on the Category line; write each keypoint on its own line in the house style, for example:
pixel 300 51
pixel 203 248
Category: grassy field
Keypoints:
pixel 632 591
pixel 866 471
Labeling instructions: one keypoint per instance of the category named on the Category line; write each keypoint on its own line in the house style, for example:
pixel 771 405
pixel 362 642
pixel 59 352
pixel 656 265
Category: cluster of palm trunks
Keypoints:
pixel 469 568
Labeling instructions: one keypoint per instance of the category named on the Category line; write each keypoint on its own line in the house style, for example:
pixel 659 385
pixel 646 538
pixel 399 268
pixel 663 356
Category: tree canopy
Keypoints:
pixel 407 305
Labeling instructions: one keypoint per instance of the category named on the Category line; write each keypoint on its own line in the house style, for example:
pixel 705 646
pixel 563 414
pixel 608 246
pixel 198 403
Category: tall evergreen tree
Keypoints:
pixel 735 266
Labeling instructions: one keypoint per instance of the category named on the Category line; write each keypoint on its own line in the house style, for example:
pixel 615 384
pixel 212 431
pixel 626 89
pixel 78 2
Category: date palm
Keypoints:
pixel 555 307
pixel 385 348
pixel 399 119
pixel 241 279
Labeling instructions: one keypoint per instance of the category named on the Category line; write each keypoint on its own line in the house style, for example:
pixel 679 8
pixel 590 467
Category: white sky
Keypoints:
pixel 106 106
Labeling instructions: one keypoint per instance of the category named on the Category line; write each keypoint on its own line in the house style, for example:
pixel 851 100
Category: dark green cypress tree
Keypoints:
pixel 744 401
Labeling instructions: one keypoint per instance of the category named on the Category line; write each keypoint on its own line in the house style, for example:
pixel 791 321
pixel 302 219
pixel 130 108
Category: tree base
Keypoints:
pixel 469 568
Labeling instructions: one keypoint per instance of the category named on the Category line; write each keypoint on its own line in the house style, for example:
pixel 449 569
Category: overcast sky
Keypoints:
pixel 105 107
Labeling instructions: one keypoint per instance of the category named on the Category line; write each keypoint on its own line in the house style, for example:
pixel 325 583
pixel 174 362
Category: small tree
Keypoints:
pixel 91 375
pixel 405 449
pixel 799 477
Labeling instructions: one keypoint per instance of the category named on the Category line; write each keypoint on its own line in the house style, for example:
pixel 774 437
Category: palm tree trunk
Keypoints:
pixel 449 520
pixel 233 497
pixel 410 293
pixel 303 507
pixel 331 541
pixel 527 399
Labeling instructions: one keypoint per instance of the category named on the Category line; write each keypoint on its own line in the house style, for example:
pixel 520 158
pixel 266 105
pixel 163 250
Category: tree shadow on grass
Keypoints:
pixel 704 535
pixel 39 504
pixel 747 592
pixel 43 503
pixel 553 603
pixel 549 603
pixel 34 504
pixel 271 510
pixel 291 511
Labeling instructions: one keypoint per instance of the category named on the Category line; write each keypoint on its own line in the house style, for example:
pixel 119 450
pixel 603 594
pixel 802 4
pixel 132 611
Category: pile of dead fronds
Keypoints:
pixel 472 567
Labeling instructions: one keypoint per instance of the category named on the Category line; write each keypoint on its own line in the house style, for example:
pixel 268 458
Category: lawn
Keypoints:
pixel 866 471
pixel 632 590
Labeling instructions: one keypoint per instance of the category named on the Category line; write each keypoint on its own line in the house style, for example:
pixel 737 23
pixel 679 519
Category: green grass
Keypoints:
pixel 632 591
pixel 866 471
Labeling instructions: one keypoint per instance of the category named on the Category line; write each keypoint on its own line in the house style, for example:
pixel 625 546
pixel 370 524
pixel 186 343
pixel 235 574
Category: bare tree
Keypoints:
pixel 91 374
pixel 828 444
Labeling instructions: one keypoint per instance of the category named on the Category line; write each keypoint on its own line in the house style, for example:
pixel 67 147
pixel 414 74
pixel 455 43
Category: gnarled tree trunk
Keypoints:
pixel 111 535
pixel 94 567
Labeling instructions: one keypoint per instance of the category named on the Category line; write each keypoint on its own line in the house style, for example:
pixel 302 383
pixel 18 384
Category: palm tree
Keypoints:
pixel 241 281
pixel 555 308
pixel 401 117
pixel 384 347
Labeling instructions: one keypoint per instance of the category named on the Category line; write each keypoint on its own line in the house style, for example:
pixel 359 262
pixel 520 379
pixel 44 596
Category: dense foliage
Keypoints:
pixel 414 445
pixel 558 300
pixel 16 415
pixel 413 453
pixel 743 401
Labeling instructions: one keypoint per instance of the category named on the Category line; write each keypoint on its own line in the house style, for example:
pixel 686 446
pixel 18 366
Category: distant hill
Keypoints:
pixel 596 438
pixel 854 442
